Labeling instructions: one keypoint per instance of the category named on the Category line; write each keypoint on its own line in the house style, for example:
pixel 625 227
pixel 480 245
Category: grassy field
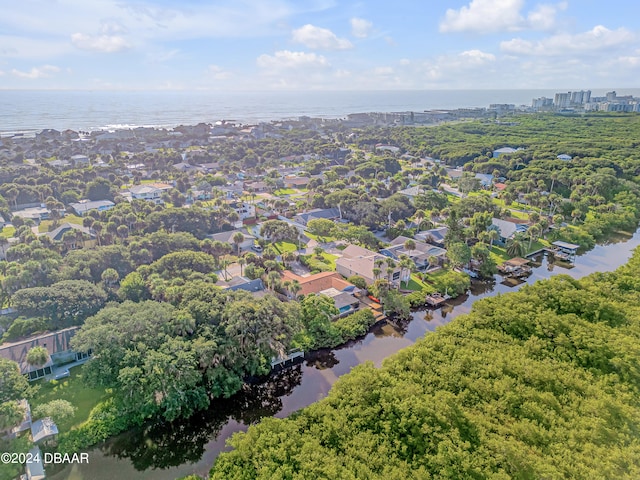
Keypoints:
pixel 285 191
pixel 45 225
pixel 415 284
pixel 74 391
pixel 282 247
pixel 7 232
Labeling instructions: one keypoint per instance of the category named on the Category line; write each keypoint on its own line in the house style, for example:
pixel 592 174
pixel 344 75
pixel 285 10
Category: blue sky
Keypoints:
pixel 226 45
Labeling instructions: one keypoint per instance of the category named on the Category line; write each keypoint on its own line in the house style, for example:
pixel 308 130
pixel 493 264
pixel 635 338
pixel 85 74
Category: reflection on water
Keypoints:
pixel 166 451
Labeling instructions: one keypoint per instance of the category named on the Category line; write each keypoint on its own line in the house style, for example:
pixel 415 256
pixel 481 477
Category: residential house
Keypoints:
pixel 244 210
pixel 227 237
pixel 84 206
pixel 56 343
pixel 44 431
pixel 79 160
pixel 247 285
pixel 256 187
pixel 412 192
pixel 57 235
pixel 420 255
pixel 503 151
pixel 434 236
pixel 37 214
pixel 151 192
pixel 506 229
pixel 360 261
pixel 295 182
pixel 330 284
pixel 326 213
pixel 486 179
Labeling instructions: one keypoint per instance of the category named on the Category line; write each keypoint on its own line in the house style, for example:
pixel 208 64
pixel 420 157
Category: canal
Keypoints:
pixel 167 451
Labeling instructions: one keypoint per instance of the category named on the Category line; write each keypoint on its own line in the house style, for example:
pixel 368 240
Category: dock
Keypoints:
pixel 291 358
pixel 435 300
pixel 516 267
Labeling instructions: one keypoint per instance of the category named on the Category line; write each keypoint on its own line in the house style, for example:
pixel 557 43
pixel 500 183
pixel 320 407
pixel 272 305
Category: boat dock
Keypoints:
pixel 291 358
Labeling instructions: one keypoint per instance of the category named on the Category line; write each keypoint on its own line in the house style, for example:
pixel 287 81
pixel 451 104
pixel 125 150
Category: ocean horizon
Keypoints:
pixel 26 111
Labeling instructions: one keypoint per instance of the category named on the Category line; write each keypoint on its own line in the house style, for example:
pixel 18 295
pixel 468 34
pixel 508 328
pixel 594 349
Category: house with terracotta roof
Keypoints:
pixel 330 284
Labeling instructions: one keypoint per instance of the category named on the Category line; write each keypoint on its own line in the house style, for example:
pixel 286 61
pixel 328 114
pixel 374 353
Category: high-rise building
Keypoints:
pixel 562 100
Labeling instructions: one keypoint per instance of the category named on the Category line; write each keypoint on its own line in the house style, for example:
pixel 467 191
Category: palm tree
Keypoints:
pixel 515 246
pixel 37 356
pixel 238 238
pixel 97 227
pixel 410 245
pixel 242 262
pixel 534 232
pixel 295 288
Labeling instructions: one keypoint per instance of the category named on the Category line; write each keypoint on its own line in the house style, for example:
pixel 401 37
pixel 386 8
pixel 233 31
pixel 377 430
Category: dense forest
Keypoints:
pixel 541 383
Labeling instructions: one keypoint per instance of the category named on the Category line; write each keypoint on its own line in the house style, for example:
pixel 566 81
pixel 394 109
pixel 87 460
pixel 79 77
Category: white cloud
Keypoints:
pixel 488 16
pixel 587 43
pixel 100 43
pixel 477 57
pixel 218 73
pixel 286 59
pixel 360 27
pixel 319 38
pixel 37 72
pixel 484 16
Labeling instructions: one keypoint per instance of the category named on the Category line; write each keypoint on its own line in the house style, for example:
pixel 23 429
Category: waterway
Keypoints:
pixel 167 451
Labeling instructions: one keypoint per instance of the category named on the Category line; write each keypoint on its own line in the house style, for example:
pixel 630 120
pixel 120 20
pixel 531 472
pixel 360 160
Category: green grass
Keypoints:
pixel 415 284
pixel 329 259
pixel 319 238
pixel 499 254
pixel 7 232
pixel 74 391
pixel 45 224
pixel 285 191
pixel 282 247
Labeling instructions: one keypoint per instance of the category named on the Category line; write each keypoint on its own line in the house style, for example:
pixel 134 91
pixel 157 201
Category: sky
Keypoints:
pixel 242 45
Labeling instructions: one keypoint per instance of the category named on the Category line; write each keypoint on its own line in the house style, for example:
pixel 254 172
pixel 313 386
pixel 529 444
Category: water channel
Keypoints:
pixel 167 451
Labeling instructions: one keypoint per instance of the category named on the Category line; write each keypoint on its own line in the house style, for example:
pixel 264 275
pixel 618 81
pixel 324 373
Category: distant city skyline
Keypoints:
pixel 286 45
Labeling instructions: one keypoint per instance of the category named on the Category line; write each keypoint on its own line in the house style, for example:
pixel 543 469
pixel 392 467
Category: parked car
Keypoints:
pixel 256 248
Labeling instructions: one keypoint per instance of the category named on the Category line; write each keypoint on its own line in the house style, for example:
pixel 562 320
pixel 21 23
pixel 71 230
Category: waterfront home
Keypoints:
pixel 421 255
pixel 330 284
pixel 360 261
pixel 506 229
pixel 57 344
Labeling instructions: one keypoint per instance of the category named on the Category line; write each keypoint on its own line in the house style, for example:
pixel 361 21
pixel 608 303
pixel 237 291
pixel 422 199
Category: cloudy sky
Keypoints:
pixel 319 44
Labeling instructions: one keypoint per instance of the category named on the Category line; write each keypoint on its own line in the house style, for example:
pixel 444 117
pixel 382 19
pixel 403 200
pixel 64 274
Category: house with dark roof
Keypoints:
pixel 317 213
pixel 57 235
pixel 434 236
pixel 57 344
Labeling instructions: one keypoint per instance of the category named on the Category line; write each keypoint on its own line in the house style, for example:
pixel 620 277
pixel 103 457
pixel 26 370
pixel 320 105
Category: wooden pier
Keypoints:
pixel 435 300
pixel 290 359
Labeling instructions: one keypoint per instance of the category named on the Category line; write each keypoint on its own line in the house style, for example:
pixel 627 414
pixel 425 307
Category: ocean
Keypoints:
pixel 33 110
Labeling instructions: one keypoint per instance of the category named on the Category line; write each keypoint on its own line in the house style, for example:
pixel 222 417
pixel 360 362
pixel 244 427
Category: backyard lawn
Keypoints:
pixel 415 284
pixel 45 225
pixel 74 391
pixel 7 232
pixel 282 247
